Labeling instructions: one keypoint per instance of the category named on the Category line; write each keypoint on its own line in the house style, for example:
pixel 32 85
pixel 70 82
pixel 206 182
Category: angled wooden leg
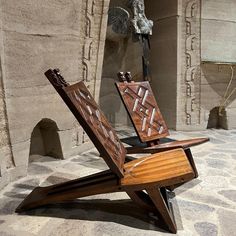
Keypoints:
pixel 190 158
pixel 103 182
pixel 192 163
pixel 142 199
pixel 163 209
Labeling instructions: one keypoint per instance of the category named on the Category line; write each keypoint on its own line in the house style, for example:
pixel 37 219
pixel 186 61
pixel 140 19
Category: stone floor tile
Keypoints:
pixel 206 229
pixel 204 206
pixel 36 169
pixel 227 222
pixel 229 194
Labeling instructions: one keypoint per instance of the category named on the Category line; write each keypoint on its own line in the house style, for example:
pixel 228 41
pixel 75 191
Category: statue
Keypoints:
pixel 140 22
pixel 123 24
pixel 121 21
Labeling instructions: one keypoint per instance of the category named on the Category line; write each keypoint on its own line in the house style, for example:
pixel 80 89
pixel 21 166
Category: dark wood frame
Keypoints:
pixel 152 173
pixel 141 106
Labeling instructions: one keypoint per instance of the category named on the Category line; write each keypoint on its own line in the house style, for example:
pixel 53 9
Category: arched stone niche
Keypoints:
pixel 45 140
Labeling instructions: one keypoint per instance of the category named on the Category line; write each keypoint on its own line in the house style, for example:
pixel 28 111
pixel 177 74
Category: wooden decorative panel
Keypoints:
pixel 83 106
pixel 142 108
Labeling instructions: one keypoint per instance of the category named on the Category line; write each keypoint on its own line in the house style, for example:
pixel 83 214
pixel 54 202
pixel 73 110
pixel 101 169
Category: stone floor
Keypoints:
pixel 205 206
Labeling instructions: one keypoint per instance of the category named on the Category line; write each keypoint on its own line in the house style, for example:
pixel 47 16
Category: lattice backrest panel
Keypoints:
pixel 85 109
pixel 143 110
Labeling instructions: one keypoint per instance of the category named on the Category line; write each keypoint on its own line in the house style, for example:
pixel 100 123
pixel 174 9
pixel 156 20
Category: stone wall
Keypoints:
pixel 7 165
pixel 164 55
pixel 189 103
pixel 175 61
pixel 219 45
pixel 218 30
pixel 35 36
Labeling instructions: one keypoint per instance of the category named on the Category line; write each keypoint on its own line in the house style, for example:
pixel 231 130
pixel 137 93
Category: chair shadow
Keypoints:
pixel 123 212
pixel 187 186
pixel 135 142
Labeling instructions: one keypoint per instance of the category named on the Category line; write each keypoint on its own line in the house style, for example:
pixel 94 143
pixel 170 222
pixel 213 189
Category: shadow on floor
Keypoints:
pixel 119 211
pixel 135 142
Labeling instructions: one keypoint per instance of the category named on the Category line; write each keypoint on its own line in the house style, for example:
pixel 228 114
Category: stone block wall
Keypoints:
pixel 189 111
pixel 219 45
pixel 175 61
pixel 186 33
pixel 164 47
pixel 35 36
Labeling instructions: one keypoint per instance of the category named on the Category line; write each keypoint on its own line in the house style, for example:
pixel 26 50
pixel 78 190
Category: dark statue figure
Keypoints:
pixel 122 23
pixel 140 22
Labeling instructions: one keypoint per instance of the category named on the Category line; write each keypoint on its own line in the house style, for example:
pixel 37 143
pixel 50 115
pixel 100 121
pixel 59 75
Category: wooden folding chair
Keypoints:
pixel 151 173
pixel 147 119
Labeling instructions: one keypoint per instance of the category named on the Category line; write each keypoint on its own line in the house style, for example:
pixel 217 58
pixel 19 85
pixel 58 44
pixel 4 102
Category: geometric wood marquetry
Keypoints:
pixel 142 108
pixel 147 120
pixel 83 106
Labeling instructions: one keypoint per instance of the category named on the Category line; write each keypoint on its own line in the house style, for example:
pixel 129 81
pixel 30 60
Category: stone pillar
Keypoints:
pixel 189 113
pixel 175 61
pixel 164 56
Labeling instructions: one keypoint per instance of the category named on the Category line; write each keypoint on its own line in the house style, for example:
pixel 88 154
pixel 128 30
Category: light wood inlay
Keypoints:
pixel 145 115
pixel 158 169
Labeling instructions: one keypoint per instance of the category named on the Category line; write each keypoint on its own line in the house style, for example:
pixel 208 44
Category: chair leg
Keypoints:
pixel 164 210
pixel 192 163
pixel 142 199
pixel 103 182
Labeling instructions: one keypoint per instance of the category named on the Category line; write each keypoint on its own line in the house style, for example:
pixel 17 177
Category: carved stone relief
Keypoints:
pixel 88 46
pixel 192 62
pixel 87 58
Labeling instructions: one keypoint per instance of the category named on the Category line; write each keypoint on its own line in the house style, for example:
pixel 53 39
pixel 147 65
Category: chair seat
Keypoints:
pixel 161 169
pixel 185 144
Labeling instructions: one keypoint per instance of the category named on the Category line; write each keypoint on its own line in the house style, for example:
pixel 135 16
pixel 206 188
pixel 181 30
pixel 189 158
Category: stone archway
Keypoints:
pixel 45 140
pixel 218 118
pixel 214 119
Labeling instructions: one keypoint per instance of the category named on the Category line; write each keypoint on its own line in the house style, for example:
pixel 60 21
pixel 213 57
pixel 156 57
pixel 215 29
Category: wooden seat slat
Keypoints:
pixel 157 167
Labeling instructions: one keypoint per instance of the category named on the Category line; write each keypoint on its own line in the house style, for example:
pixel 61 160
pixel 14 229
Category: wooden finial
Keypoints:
pixel 128 76
pixel 121 76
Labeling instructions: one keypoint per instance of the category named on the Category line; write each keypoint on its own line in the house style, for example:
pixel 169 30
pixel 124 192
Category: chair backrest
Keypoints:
pixel 142 108
pixel 85 109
